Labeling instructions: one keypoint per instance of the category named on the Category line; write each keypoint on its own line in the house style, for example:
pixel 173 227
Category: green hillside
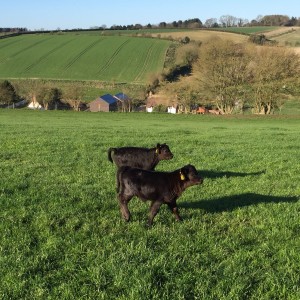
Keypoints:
pixel 81 57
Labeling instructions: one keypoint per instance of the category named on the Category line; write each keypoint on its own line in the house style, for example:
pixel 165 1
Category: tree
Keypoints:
pixel 49 95
pixel 274 20
pixel 8 94
pixel 274 70
pixel 30 89
pixel 210 22
pixel 184 93
pixel 137 97
pixel 222 73
pixel 186 54
pixel 234 73
pixel 73 95
pixel 228 20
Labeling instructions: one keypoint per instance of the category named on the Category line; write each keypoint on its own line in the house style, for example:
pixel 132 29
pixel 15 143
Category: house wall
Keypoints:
pixel 149 109
pixel 113 107
pixel 99 105
pixel 172 110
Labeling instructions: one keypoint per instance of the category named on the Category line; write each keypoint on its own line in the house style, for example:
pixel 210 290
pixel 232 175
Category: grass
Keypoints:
pixel 289 37
pixel 202 35
pixel 61 235
pixel 81 57
pixel 249 30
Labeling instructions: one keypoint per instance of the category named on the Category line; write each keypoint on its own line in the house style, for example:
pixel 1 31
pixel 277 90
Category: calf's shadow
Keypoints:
pixel 230 203
pixel 219 174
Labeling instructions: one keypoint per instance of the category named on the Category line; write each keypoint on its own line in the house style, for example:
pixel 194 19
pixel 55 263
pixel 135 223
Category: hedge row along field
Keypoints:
pixel 62 237
pixel 81 57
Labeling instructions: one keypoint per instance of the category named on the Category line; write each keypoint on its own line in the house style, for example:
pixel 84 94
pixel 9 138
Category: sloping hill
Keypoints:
pixel 81 57
pixel 202 35
pixel 287 36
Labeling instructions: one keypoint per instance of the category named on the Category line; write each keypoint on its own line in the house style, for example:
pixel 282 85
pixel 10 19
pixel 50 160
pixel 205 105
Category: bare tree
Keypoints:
pixel 73 95
pixel 30 89
pixel 222 73
pixel 48 95
pixel 210 22
pixel 228 20
pixel 273 70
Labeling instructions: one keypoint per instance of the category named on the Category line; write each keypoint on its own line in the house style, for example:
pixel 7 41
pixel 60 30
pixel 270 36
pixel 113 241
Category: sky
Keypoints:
pixel 73 14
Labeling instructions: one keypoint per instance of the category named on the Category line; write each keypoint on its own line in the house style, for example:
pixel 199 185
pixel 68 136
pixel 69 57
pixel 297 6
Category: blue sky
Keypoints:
pixel 68 14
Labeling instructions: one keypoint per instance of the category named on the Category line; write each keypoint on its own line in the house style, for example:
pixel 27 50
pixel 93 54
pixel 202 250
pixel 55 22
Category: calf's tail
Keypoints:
pixel 120 172
pixel 110 150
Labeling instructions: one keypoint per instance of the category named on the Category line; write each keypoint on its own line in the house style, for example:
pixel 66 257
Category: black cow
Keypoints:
pixel 158 187
pixel 136 157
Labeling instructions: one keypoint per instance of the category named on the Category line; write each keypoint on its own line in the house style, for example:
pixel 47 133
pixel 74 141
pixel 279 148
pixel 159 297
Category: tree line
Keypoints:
pixel 232 77
pixel 222 22
pixel 219 74
pixel 71 95
pixel 193 23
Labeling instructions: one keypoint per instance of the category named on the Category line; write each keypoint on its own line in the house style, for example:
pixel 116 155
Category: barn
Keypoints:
pixel 124 102
pixel 121 97
pixel 104 103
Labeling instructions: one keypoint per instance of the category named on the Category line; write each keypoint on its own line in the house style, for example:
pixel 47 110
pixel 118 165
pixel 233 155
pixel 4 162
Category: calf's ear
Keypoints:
pixel 157 148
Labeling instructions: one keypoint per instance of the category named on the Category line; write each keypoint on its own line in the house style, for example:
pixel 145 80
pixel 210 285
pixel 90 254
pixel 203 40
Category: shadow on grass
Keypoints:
pixel 230 203
pixel 214 174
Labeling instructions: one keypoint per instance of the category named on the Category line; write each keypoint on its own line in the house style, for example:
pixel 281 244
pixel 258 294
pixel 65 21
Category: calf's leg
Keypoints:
pixel 174 209
pixel 123 202
pixel 154 209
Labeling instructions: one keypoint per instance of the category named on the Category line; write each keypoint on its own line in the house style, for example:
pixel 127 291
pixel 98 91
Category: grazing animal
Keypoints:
pixel 158 187
pixel 136 157
pixel 214 112
pixel 201 110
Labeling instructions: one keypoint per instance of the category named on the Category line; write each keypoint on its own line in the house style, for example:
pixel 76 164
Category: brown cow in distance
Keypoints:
pixel 201 110
pixel 158 187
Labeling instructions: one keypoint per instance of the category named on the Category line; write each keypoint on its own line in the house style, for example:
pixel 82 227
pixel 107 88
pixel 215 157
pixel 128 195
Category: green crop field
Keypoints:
pixel 81 57
pixel 249 30
pixel 62 237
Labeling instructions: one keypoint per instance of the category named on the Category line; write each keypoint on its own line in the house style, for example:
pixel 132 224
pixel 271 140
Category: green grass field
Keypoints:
pixel 249 30
pixel 81 57
pixel 62 237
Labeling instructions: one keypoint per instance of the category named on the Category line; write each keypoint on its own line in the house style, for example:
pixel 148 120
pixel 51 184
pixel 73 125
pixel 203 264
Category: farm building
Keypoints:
pixel 172 109
pixel 149 108
pixel 162 103
pixel 121 97
pixel 104 103
pixel 124 102
pixel 34 105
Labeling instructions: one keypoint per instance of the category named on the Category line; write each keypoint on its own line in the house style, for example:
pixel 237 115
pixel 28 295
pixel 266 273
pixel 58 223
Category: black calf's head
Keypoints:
pixel 163 151
pixel 189 175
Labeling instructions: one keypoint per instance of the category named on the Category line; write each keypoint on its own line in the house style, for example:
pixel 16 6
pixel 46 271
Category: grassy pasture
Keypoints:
pixel 61 235
pixel 249 30
pixel 290 37
pixel 203 35
pixel 81 57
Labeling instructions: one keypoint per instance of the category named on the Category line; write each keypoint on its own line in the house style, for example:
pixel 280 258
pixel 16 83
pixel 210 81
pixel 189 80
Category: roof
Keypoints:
pixel 108 98
pixel 121 96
